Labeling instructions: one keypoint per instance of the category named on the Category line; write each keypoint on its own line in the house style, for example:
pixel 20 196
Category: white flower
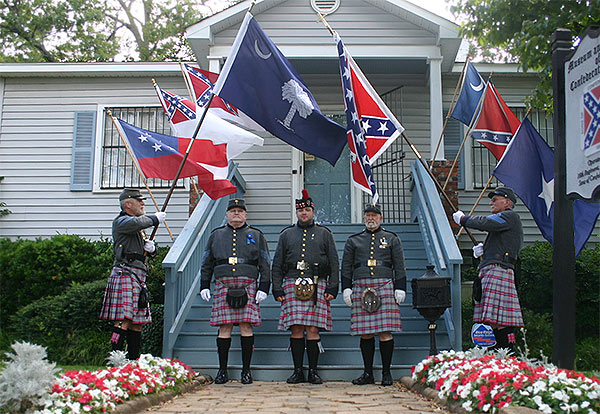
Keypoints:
pixel 539 386
pixel 467 405
pixel 560 395
pixel 585 404
pixel 486 407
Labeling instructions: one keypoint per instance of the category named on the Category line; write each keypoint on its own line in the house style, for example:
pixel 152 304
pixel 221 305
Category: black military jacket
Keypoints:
pixel 298 249
pixel 128 239
pixel 376 254
pixel 504 240
pixel 236 252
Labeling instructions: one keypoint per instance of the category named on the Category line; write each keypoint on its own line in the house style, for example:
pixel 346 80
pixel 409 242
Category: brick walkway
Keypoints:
pixel 279 397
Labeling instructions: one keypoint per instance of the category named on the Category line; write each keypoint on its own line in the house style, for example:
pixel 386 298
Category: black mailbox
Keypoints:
pixel 431 297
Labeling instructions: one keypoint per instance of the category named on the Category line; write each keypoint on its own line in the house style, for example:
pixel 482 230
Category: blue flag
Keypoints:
pixel 470 95
pixel 259 80
pixel 528 168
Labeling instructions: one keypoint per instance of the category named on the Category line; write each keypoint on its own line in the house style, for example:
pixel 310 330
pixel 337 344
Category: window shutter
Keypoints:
pixel 82 161
pixel 453 136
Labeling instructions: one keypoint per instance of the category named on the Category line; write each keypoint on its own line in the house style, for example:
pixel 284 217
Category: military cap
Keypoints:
pixel 131 193
pixel 236 202
pixel 504 192
pixel 305 201
pixel 375 208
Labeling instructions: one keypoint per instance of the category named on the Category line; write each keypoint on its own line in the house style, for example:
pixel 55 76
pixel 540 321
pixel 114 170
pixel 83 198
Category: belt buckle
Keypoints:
pixel 371 262
pixel 302 265
pixel 233 260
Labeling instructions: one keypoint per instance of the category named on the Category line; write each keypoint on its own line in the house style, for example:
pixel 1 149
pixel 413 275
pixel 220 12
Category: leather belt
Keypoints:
pixel 505 258
pixel 233 260
pixel 373 263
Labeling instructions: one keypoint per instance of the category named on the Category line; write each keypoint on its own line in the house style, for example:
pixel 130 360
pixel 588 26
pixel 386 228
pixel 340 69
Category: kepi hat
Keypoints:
pixel 375 208
pixel 131 193
pixel 236 203
pixel 504 192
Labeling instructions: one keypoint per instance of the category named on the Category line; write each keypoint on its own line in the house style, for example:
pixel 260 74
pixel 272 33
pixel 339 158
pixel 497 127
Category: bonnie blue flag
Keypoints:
pixel 528 168
pixel 258 80
pixel 470 95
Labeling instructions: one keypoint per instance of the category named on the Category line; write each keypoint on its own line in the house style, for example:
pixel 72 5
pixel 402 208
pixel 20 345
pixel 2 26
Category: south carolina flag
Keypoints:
pixel 159 156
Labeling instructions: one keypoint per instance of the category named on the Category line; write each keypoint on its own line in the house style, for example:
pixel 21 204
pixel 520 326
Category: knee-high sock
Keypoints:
pixel 117 338
pixel 386 348
pixel 505 338
pixel 297 346
pixel 312 350
pixel 223 345
pixel 367 348
pixel 247 348
pixel 134 343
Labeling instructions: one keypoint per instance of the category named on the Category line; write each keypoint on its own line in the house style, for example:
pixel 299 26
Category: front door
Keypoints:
pixel 329 187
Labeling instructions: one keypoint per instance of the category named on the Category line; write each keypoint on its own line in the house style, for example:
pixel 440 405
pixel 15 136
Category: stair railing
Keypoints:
pixel 184 260
pixel 440 243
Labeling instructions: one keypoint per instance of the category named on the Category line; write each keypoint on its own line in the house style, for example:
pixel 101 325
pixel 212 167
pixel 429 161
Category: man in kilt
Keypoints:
pixel 235 254
pixel 499 304
pixel 374 285
pixel 305 280
pixel 122 302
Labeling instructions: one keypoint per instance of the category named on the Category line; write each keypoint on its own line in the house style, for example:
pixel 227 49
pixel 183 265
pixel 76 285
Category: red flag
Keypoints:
pixel 496 124
pixel 159 156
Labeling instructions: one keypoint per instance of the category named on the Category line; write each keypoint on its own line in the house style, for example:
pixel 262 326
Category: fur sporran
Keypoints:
pixel 304 288
pixel 370 301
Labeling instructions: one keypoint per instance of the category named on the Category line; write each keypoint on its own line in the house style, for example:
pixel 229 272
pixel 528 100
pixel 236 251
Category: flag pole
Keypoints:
pixel 187 84
pixel 185 156
pixel 437 184
pixel 486 187
pixel 452 104
pixel 471 125
pixel 139 170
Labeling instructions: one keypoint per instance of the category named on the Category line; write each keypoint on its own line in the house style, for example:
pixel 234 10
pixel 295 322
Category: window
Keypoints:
pixel 483 160
pixel 118 169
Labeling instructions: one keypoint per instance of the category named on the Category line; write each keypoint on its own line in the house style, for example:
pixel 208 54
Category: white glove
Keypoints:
pixel 478 250
pixel 348 296
pixel 161 216
pixel 260 296
pixel 400 295
pixel 149 246
pixel 205 294
pixel 457 216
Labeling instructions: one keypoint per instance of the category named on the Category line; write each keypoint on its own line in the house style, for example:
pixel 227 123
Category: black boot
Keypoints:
pixel 505 338
pixel 134 342
pixel 313 377
pixel 247 348
pixel 117 339
pixel 297 346
pixel 365 378
pixel 223 345
pixel 296 377
pixel 386 348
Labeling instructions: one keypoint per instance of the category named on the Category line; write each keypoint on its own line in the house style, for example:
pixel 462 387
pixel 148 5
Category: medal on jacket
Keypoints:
pixel 250 239
pixel 383 243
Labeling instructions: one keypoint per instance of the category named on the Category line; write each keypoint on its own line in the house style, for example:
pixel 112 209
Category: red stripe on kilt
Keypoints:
pixel 121 296
pixel 500 302
pixel 303 312
pixel 223 314
pixel 386 319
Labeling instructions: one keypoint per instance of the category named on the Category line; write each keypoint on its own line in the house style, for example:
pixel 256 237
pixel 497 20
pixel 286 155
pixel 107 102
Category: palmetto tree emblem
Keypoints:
pixel 292 92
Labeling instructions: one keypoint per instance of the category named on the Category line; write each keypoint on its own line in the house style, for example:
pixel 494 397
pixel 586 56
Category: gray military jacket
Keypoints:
pixel 298 249
pixel 373 254
pixel 128 239
pixel 236 252
pixel 504 240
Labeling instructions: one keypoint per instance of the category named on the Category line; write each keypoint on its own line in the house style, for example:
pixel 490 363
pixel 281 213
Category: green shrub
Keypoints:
pixel 32 269
pixel 587 354
pixel 152 333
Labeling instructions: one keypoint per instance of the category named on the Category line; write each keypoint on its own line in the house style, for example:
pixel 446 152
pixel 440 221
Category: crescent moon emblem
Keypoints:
pixel 478 87
pixel 259 52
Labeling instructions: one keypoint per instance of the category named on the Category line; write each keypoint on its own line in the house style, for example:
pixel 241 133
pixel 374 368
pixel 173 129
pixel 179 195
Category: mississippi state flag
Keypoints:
pixel 159 156
pixel 496 124
pixel 591 121
pixel 181 114
pixel 371 126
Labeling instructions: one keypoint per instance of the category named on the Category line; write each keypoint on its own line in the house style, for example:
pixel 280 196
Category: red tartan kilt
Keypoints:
pixel 386 319
pixel 223 314
pixel 121 296
pixel 500 302
pixel 303 312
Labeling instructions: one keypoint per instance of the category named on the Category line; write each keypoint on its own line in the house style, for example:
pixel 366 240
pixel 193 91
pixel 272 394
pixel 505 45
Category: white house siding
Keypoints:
pixel 514 89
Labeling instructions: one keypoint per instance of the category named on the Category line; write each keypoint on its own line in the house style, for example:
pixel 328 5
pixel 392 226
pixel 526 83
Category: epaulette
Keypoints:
pixel 217 228
pixel 255 228
pixel 285 228
pixel 388 231
pixel 358 234
pixel 325 227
